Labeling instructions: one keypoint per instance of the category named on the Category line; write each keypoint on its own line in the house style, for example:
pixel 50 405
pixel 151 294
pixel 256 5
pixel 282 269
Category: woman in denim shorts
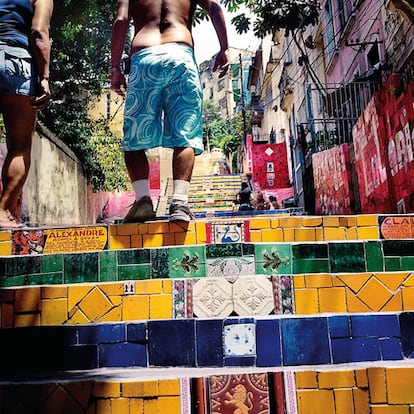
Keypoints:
pixel 24 89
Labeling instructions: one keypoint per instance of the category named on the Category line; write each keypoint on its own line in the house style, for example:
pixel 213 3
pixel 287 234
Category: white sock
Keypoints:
pixel 180 190
pixel 141 189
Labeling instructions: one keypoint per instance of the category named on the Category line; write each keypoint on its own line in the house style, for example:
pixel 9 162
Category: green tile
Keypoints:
pixel 133 256
pixel 374 256
pixel 392 264
pixel 27 265
pixel 108 269
pixel 223 250
pixel 134 272
pixel 407 263
pixel 45 279
pixel 398 247
pixel 13 281
pixel 52 263
pixel 81 267
pixel 347 257
pixel 310 251
pixel 272 259
pixel 160 259
pixel 187 261
pixel 311 266
pixel 248 249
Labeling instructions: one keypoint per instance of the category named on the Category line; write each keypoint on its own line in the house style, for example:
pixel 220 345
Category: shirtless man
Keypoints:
pixel 163 98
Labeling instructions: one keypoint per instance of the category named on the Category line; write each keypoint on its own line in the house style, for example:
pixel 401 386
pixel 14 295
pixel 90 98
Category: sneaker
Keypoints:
pixel 180 212
pixel 140 211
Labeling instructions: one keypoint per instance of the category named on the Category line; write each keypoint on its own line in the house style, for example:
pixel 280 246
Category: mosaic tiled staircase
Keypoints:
pixel 264 314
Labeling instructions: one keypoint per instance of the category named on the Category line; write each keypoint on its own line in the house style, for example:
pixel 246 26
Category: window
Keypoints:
pixel 330 31
pixel 220 85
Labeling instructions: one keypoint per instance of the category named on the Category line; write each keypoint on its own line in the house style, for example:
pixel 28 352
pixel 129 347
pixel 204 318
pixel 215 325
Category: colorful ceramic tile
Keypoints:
pixel 286 294
pixel 244 393
pixel 179 308
pixel 214 251
pixel 239 340
pixel 230 267
pixel 187 261
pixel 212 298
pixel 228 233
pixel 27 242
pixel 273 259
pixel 159 263
pixel 347 257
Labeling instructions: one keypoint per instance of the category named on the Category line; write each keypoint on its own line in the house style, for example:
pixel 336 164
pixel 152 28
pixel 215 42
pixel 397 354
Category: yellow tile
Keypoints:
pixel 169 239
pixel 151 406
pixel 107 389
pixel 201 234
pixel 332 300
pixel 400 385
pixel 354 304
pixel 54 292
pixel 274 223
pixel 143 228
pixel 306 379
pixel 409 281
pixel 319 234
pixel 344 401
pixel 127 229
pixel 167 286
pixel 5 235
pixel 135 307
pixel 288 235
pixel 136 241
pixel 160 307
pixel 389 409
pixel 95 304
pixel 374 294
pixel 136 405
pixel 368 233
pixel 112 289
pixel 367 220
pixel 272 235
pixel 54 311
pixel 27 299
pixel 318 280
pixel 395 304
pixel 119 406
pixel 306 301
pixel 255 236
pixel 361 400
pixel 259 223
pixel 334 233
pixel 78 317
pixel 77 293
pixel 336 379
pixel 393 280
pixel 5 248
pixel 311 221
pixel 170 405
pixel 330 221
pixel 354 281
pixel 185 238
pixel 114 315
pixel 377 385
pixel 160 227
pixel 119 242
pixel 103 406
pixel 152 240
pixel 408 298
pixel 169 387
pixel 27 319
pixel 148 287
pixel 140 389
pixel 336 282
pixel 351 233
pixel 305 234
pixel 361 376
pixel 321 401
pixel 299 281
pixel 113 230
pixel 290 222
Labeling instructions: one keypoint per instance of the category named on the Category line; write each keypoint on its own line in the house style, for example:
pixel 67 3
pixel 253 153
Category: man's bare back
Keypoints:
pixel 161 21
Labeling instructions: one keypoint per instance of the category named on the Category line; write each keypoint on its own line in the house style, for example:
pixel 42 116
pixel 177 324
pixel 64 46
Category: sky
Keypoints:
pixel 206 43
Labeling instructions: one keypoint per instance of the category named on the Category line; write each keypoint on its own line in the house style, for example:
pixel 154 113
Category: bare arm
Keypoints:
pixel 40 43
pixel 213 8
pixel 119 31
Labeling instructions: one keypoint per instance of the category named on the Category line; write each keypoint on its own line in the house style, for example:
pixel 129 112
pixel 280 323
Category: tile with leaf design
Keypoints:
pixel 273 258
pixel 187 261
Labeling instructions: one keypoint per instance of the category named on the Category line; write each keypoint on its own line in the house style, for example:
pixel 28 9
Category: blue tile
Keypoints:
pixel 105 333
pixel 268 348
pixel 122 355
pixel 79 357
pixel 339 327
pixel 137 332
pixel 407 334
pixel 375 325
pixel 355 350
pixel 391 349
pixel 209 334
pixel 172 343
pixel 305 341
pixel 240 361
pixel 241 321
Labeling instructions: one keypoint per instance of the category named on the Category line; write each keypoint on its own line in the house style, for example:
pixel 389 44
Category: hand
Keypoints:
pixel 40 102
pixel 118 83
pixel 222 63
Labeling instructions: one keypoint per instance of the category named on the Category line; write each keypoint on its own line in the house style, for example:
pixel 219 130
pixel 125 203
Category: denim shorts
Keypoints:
pixel 163 105
pixel 17 73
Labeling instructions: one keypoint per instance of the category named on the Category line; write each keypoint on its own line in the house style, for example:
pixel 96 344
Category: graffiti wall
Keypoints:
pixel 331 171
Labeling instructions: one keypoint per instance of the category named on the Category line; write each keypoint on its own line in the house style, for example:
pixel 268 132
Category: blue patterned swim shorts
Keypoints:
pixel 16 71
pixel 164 100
